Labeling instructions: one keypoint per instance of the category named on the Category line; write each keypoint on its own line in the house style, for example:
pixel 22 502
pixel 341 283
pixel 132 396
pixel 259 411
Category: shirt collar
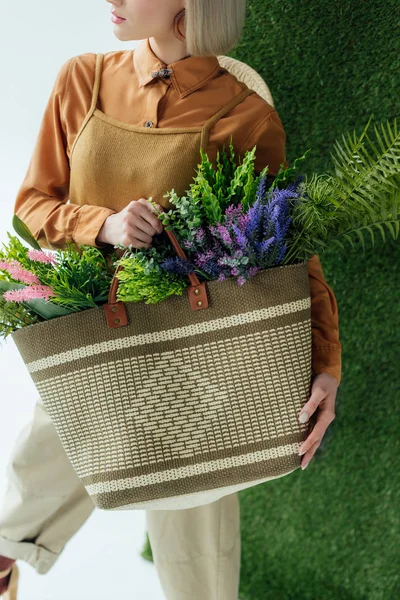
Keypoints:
pixel 188 74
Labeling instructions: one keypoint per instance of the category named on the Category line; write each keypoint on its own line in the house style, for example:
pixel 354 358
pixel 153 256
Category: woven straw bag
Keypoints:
pixel 176 404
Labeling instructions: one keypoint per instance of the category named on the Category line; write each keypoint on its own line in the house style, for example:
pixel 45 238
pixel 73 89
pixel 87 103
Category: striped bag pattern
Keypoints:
pixel 180 407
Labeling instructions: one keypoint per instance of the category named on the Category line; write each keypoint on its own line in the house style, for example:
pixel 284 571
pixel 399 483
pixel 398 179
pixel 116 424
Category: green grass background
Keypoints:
pixel 332 532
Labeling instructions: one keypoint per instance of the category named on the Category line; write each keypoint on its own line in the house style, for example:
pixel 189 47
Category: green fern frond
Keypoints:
pixel 386 220
pixel 364 170
pixel 359 232
pixel 363 191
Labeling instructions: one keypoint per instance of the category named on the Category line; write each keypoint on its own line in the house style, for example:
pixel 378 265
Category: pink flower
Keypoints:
pixel 29 293
pixel 16 270
pixel 41 256
pixel 4 265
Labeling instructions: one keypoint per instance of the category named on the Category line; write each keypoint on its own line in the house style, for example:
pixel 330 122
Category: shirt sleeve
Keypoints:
pixel 41 201
pixel 270 138
pixel 326 346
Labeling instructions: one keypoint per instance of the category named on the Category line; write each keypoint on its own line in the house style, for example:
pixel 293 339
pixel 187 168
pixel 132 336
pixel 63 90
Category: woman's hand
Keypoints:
pixel 323 397
pixel 134 225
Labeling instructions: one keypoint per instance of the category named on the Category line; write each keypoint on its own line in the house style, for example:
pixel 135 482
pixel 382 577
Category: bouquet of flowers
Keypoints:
pixel 231 224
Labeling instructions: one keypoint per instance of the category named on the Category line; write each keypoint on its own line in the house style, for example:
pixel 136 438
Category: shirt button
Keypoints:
pixel 148 124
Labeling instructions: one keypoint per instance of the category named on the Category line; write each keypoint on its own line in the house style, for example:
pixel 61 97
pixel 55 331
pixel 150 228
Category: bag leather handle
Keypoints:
pixel 116 311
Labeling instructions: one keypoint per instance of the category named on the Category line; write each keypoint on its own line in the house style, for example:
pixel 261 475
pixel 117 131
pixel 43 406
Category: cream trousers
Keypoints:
pixel 196 551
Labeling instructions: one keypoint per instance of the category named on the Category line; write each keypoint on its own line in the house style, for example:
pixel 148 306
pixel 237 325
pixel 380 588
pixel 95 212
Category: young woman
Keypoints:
pixel 117 129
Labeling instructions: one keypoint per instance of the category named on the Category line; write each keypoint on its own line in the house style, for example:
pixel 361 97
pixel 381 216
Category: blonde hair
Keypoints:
pixel 213 27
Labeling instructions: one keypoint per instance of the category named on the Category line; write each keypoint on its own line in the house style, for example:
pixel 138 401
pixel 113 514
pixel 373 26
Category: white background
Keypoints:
pixel 102 560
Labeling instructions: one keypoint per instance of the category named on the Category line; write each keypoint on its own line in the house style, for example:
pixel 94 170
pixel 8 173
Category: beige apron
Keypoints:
pixel 113 163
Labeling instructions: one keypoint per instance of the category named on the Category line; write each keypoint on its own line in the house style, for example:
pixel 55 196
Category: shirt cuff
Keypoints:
pixel 327 359
pixel 89 222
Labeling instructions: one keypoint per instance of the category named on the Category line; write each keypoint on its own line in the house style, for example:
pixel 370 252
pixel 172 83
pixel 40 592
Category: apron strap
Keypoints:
pixel 225 109
pixel 95 94
pixel 97 78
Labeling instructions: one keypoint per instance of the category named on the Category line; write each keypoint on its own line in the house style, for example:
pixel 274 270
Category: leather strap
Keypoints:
pixel 115 310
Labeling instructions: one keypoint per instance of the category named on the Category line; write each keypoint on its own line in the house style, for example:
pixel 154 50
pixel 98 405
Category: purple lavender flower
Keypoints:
pixel 262 188
pixel 224 234
pixel 204 257
pixel 240 238
pixel 243 244
pixel 188 244
pixel 252 271
pixel 177 265
pixel 268 225
pixel 200 235
pixel 232 214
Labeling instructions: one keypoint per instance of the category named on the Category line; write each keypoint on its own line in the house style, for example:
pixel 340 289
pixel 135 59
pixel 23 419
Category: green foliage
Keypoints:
pixel 289 174
pixel 213 190
pixel 80 280
pixel 243 178
pixel 142 278
pixel 187 214
pixel 205 188
pixel 326 66
pixel 16 250
pixel 224 172
pixel 13 316
pixel 24 232
pixel 361 195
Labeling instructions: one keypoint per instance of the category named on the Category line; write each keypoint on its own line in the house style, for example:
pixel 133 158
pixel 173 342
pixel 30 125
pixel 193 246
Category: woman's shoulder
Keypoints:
pixel 255 104
pixel 79 70
pixel 76 78
pixel 254 121
pixel 248 115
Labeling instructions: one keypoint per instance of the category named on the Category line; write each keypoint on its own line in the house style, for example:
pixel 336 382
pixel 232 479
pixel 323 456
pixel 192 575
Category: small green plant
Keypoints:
pixel 142 278
pixel 37 286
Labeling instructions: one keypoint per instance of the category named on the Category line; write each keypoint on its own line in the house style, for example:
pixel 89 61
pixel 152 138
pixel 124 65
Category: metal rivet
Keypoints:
pixel 114 309
pixel 148 124
pixel 116 320
pixel 199 303
pixel 197 291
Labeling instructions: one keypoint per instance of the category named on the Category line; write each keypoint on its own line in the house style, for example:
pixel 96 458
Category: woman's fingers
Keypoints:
pixel 149 222
pixel 310 445
pixel 323 397
pixel 309 454
pixel 318 393
pixel 324 386
pixel 140 234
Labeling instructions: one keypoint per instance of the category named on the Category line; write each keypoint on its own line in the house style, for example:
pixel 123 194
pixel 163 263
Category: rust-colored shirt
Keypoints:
pixel 129 93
